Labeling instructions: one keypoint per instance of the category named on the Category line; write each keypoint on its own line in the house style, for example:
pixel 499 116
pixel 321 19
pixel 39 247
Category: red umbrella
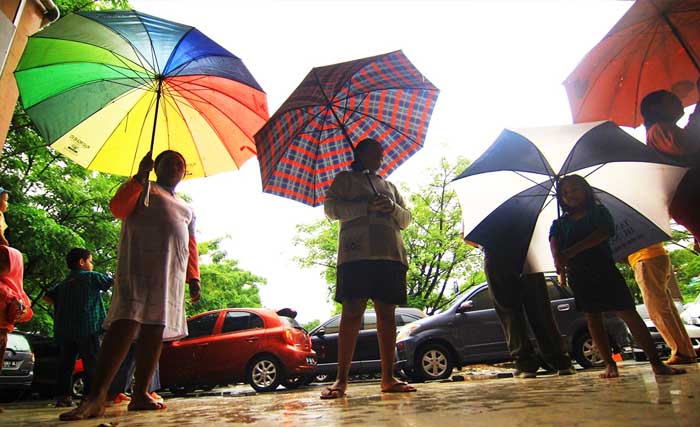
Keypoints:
pixel 312 136
pixel 655 45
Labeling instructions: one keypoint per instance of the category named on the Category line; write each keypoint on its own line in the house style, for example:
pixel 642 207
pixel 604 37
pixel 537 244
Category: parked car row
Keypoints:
pixel 267 349
pixel 469 331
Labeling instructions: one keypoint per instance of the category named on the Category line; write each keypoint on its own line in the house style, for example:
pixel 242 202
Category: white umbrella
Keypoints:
pixel 508 194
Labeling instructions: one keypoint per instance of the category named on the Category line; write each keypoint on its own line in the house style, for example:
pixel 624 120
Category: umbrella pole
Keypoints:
pixel 683 43
pixel 145 195
pixel 345 131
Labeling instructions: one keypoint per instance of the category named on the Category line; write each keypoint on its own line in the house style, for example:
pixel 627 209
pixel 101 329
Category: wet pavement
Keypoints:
pixel 637 398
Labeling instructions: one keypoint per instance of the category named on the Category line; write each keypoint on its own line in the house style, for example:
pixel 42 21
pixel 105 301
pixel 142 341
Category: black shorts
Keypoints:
pixel 384 281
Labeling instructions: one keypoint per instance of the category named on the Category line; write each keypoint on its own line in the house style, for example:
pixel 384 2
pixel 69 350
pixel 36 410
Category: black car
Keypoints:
pixel 46 352
pixel 17 368
pixel 324 340
pixel 469 331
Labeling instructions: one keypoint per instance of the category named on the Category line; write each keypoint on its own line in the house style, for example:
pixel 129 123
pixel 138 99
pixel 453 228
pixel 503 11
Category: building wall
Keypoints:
pixel 31 21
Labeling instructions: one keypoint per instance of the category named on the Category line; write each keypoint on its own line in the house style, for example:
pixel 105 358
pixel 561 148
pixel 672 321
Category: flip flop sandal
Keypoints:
pixel 332 393
pixel 400 388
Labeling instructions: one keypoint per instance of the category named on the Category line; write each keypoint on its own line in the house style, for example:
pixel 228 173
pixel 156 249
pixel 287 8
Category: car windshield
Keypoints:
pixel 288 321
pixel 18 343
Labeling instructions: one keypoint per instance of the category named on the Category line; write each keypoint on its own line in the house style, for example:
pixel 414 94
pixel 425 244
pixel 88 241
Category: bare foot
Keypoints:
pixel 398 387
pixel 662 369
pixel 86 409
pixel 145 403
pixel 610 371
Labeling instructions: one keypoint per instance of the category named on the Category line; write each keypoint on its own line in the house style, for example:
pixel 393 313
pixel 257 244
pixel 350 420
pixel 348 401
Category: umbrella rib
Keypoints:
pixel 86 84
pixel 216 107
pixel 206 88
pixel 112 133
pixel 196 147
pixel 110 29
pixel 156 69
pixel 177 46
pixel 641 66
pixel 602 69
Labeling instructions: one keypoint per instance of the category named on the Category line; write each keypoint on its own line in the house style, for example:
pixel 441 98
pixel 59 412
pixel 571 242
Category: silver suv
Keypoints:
pixel 18 368
pixel 469 332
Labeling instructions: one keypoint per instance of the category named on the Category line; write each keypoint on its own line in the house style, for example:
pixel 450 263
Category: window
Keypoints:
pixel 402 319
pixel 202 326
pixel 17 343
pixel 240 321
pixel 369 321
pixel 333 326
pixel 482 300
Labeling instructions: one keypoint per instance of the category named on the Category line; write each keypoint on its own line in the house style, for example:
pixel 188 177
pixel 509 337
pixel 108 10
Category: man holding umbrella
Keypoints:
pixel 518 299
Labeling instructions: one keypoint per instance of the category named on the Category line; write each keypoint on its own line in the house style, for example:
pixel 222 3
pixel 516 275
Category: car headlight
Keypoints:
pixel 406 331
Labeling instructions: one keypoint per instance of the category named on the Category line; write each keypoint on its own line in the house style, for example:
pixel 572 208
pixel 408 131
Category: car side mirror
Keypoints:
pixel 321 332
pixel 465 306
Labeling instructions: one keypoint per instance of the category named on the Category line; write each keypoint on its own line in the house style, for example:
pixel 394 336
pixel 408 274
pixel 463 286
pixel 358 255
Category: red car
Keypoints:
pixel 253 345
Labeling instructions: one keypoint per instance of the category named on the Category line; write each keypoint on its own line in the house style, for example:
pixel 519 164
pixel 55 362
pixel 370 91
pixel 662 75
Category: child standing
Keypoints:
pixel 78 316
pixel 4 196
pixel 15 305
pixel 579 241
pixel 661 110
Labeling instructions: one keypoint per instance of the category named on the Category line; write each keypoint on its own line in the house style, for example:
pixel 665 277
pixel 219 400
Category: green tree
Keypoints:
pixel 437 255
pixel 224 283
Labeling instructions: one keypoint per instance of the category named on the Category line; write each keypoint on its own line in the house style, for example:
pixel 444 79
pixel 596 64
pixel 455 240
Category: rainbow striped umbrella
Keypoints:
pixel 312 135
pixel 105 87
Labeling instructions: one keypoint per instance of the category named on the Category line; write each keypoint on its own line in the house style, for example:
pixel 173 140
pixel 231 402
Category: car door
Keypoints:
pixel 366 354
pixel 241 336
pixel 478 328
pixel 563 306
pixel 325 342
pixel 181 361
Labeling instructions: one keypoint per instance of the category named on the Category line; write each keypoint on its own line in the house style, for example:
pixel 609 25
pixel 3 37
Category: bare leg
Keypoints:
pixel 148 350
pixel 386 334
pixel 600 338
pixel 350 320
pixel 114 348
pixel 641 335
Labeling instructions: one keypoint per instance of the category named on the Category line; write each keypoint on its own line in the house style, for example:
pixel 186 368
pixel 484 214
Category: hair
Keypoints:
pixel 581 182
pixel 160 156
pixel 75 255
pixel 649 110
pixel 361 146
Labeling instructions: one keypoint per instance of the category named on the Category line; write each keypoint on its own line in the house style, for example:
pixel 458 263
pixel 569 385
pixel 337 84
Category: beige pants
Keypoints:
pixel 653 276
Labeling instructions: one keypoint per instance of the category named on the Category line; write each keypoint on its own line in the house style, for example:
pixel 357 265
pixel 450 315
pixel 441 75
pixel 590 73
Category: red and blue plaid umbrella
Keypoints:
pixel 312 136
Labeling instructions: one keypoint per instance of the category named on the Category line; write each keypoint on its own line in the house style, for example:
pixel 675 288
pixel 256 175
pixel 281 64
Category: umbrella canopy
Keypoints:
pixel 508 194
pixel 105 87
pixel 312 136
pixel 655 45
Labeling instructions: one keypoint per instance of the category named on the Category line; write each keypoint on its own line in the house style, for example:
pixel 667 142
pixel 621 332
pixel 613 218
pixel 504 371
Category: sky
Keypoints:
pixel 498 64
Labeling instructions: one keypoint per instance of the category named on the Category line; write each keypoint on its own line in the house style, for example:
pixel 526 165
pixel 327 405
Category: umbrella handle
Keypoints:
pixel 369 179
pixel 145 194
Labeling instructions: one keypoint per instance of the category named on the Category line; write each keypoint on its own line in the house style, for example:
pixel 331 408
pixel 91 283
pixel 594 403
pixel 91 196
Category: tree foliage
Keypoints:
pixel 224 283
pixel 438 258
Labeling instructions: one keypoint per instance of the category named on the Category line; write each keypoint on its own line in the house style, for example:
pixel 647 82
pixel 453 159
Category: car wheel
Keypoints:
pixel 77 388
pixel 292 382
pixel 433 362
pixel 585 352
pixel 324 378
pixel 264 373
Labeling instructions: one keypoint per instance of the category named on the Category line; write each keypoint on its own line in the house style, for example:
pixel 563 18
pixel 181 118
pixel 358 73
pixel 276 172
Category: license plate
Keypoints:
pixel 9 364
